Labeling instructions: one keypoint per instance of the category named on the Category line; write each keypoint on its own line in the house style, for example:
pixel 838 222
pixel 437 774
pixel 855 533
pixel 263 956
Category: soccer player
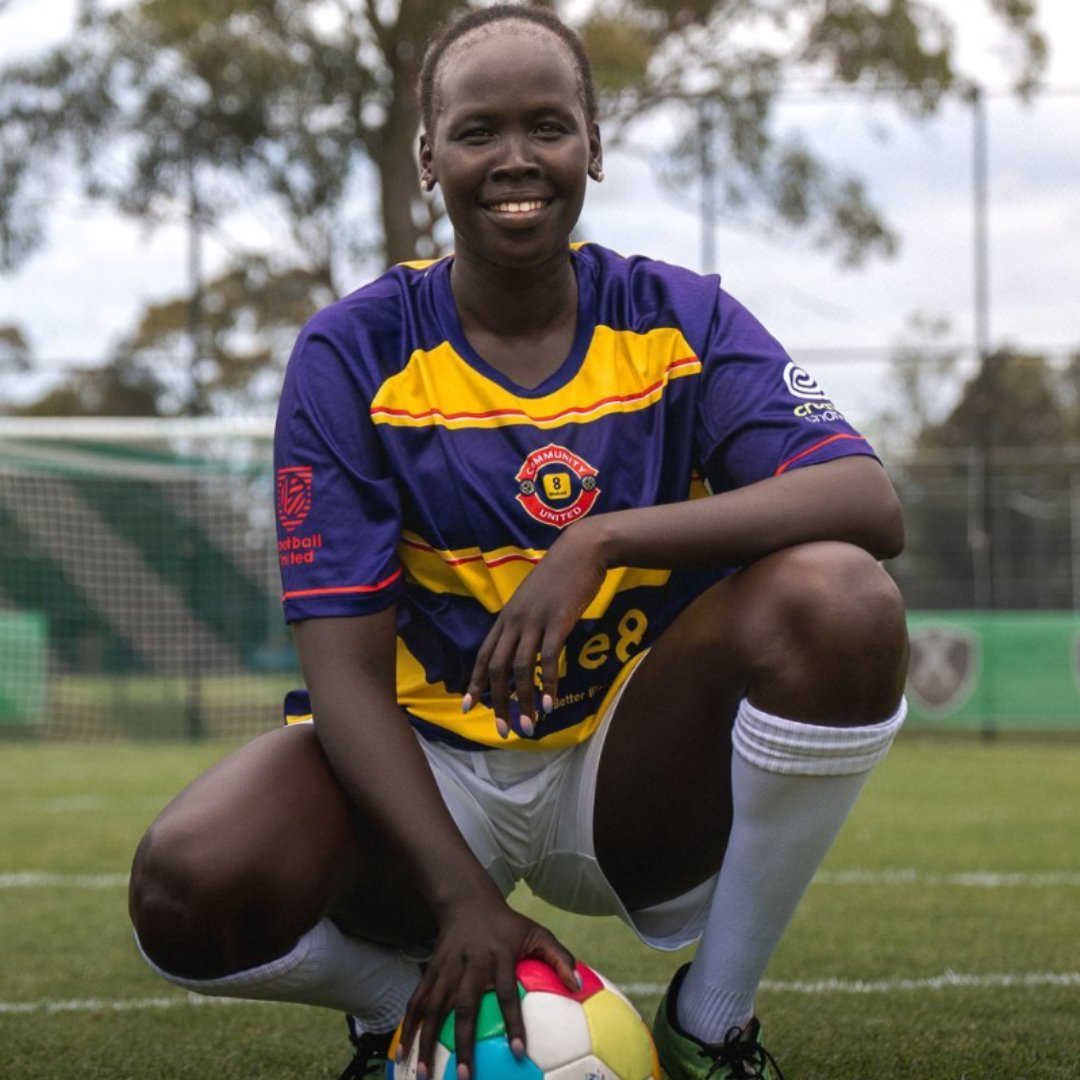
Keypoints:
pixel 584 577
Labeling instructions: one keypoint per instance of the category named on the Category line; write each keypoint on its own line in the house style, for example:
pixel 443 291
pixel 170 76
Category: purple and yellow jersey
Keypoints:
pixel 410 472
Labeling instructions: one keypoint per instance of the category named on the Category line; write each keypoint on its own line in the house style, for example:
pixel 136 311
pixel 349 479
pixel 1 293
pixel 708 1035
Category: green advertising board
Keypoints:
pixel 23 637
pixel 995 671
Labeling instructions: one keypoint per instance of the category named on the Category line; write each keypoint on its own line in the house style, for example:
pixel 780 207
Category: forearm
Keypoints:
pixel 849 500
pixel 378 762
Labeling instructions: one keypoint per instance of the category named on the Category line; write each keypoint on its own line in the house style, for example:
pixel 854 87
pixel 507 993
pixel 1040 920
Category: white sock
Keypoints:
pixel 326 967
pixel 793 785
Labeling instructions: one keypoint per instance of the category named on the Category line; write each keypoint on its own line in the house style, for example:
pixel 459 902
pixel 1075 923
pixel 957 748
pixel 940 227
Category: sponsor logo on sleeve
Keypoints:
pixel 814 407
pixel 555 486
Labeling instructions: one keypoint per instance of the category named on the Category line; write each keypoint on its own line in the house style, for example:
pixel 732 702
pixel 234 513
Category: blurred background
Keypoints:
pixel 892 188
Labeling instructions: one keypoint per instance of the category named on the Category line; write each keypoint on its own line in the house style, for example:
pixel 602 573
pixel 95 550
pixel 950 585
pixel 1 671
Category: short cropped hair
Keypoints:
pixel 457 26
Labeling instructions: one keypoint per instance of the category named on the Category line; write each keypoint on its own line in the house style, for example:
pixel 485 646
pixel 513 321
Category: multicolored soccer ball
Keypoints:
pixel 593 1034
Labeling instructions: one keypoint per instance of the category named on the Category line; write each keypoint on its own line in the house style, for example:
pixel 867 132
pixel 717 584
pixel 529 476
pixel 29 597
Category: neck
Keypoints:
pixel 514 302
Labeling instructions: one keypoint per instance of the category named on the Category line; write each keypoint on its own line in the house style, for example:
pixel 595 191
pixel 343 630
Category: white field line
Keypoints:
pixel 982 879
pixel 949 981
pixel 35 880
pixel 978 879
pixel 123 1005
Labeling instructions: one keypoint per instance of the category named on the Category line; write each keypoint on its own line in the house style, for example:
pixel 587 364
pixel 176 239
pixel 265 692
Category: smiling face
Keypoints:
pixel 511 146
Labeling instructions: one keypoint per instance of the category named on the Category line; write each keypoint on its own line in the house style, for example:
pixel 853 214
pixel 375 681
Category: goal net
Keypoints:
pixel 139 592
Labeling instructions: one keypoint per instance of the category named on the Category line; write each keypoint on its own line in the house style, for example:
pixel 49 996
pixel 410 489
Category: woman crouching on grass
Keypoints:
pixel 584 551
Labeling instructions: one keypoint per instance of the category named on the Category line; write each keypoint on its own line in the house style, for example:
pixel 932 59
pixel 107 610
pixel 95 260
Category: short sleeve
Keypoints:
pixel 338 513
pixel 759 413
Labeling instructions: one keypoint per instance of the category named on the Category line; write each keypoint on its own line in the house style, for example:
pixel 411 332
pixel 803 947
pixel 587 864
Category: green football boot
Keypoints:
pixel 739 1057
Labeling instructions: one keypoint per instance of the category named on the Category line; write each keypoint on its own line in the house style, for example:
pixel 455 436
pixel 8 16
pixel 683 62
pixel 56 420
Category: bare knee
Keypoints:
pixel 188 907
pixel 827 637
pixel 224 879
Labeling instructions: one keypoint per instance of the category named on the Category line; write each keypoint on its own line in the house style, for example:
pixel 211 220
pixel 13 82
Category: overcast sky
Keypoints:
pixel 89 283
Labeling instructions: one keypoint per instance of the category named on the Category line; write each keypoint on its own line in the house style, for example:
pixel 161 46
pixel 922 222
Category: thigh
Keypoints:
pixel 662 808
pixel 254 852
pixel 814 633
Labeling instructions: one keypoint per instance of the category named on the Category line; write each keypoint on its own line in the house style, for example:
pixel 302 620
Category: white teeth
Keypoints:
pixel 518 207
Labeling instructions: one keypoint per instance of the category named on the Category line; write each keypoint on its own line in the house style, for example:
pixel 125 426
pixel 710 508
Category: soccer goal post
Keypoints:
pixel 139 591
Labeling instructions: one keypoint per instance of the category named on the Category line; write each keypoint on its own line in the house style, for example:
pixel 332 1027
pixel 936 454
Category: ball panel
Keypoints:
pixel 619 1036
pixel 492 1060
pixel 441 1064
pixel 587 1068
pixel 609 985
pixel 489 1020
pixel 556 1029
pixel 442 1067
pixel 536 975
pixel 407 1069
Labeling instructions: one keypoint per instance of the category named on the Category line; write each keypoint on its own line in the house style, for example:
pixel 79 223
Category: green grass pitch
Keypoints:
pixel 941 940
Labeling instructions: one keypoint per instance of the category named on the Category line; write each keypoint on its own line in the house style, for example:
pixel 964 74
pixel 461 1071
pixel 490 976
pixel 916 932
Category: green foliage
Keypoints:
pixel 14 349
pixel 985 465
pixel 1014 400
pixel 243 329
pixel 166 102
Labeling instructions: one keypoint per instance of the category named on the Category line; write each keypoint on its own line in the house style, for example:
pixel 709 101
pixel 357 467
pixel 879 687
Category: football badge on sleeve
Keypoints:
pixel 293 495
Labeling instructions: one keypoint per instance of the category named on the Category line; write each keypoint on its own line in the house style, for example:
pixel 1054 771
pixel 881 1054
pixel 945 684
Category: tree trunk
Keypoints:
pixel 408 221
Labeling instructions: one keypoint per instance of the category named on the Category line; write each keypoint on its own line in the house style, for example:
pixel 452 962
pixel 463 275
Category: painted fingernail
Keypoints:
pixel 421 1071
pixel 463 1072
pixel 517 1048
pixel 467 703
pixel 399 1056
pixel 547 704
pixel 527 726
pixel 502 727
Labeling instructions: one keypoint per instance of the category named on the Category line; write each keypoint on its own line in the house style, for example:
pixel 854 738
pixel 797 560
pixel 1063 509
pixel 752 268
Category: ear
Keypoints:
pixel 596 154
pixel 427 174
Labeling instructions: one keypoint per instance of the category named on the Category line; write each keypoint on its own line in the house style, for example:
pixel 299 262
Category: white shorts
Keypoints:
pixel 529 817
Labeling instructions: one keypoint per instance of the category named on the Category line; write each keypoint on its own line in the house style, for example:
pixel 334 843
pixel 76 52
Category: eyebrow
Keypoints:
pixel 554 108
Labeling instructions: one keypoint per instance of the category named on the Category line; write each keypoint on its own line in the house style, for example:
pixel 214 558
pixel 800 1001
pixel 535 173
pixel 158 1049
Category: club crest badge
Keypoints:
pixel 293 495
pixel 555 486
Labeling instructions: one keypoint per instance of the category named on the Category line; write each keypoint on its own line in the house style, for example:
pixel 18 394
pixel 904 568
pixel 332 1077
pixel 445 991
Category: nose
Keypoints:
pixel 516 156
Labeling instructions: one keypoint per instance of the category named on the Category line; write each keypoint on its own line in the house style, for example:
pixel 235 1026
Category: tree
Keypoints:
pixel 990 483
pixel 248 322
pixel 175 107
pixel 15 357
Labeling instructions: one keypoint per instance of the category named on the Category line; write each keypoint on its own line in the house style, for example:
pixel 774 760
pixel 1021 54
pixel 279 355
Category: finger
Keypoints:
pixel 478 678
pixel 545 946
pixel 409 1025
pixel 498 679
pixel 427 1008
pixel 549 670
pixel 430 1026
pixel 506 990
pixel 464 1037
pixel 525 680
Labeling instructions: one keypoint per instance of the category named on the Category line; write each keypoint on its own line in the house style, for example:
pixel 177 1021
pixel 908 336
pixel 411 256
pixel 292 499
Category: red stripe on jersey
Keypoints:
pixel 461 560
pixel 817 446
pixel 495 414
pixel 340 590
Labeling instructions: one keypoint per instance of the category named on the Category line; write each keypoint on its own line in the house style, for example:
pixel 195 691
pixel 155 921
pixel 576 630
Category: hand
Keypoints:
pixel 476 951
pixel 536 622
